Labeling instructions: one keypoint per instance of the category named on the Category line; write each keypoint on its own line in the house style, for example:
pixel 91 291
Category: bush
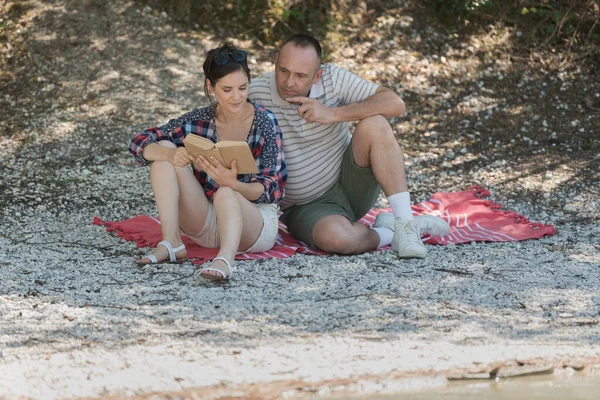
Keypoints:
pixel 265 20
pixel 573 22
pixel 460 6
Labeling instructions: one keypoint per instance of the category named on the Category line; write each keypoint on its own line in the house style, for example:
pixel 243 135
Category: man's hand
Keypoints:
pixel 179 157
pixel 220 174
pixel 312 110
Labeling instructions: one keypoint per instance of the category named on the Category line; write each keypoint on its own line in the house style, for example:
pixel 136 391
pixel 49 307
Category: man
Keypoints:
pixel 334 178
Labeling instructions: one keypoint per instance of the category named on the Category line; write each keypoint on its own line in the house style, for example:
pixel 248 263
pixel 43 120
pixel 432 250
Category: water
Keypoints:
pixel 548 387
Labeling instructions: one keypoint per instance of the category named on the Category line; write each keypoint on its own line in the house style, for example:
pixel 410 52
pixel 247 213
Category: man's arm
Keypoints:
pixel 383 102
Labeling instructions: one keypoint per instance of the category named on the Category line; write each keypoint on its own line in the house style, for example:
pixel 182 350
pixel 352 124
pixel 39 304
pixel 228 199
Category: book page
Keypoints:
pixel 231 143
pixel 199 146
pixel 198 142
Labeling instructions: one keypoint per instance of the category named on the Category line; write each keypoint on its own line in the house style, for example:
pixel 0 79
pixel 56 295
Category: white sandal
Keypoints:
pixel 217 278
pixel 172 257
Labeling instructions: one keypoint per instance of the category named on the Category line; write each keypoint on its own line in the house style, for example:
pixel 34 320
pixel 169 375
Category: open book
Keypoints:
pixel 225 152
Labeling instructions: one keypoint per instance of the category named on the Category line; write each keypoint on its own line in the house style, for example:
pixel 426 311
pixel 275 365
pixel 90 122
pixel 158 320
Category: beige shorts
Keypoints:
pixel 209 235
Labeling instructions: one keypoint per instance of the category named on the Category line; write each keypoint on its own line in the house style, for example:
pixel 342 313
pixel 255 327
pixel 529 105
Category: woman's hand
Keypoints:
pixel 179 157
pixel 218 173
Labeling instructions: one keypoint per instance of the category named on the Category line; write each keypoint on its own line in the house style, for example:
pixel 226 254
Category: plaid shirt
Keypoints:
pixel 264 140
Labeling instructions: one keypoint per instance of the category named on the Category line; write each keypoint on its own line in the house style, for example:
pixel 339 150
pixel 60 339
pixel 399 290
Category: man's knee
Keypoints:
pixel 333 238
pixel 374 125
pixel 374 131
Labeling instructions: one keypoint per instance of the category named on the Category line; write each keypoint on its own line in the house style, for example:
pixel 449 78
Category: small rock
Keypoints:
pixel 570 207
pixel 576 366
pixel 349 52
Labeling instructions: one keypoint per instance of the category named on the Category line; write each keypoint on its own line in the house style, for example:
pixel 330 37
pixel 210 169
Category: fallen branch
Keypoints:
pixel 453 271
pixel 109 306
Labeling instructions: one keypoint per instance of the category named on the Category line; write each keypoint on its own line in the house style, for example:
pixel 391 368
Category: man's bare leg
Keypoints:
pixel 336 234
pixel 374 146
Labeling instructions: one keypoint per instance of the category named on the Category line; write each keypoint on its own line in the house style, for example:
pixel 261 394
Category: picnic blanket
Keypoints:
pixel 471 214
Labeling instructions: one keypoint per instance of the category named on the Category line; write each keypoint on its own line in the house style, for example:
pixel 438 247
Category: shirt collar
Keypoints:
pixel 318 89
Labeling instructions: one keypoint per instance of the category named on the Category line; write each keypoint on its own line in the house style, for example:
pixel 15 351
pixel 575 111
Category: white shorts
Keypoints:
pixel 209 235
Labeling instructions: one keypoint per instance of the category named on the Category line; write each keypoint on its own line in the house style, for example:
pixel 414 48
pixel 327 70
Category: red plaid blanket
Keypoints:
pixel 471 216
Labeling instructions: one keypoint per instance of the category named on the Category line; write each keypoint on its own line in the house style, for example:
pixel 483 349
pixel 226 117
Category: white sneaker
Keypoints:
pixel 432 225
pixel 384 220
pixel 428 224
pixel 407 239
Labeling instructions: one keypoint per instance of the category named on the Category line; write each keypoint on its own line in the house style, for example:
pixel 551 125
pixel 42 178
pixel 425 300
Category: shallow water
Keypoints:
pixel 549 387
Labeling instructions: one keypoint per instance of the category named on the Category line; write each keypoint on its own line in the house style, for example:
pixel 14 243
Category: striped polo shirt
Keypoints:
pixel 313 152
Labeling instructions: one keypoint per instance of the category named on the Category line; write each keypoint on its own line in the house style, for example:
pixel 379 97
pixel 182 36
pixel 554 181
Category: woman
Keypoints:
pixel 213 205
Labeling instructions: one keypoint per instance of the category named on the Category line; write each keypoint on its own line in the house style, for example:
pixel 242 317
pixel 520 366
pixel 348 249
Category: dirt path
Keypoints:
pixel 77 319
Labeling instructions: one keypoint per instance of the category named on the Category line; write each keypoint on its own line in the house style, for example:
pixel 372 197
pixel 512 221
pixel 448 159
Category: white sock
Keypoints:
pixel 385 236
pixel 400 203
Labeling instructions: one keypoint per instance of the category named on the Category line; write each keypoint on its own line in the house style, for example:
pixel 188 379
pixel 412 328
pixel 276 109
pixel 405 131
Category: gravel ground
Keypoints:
pixel 78 319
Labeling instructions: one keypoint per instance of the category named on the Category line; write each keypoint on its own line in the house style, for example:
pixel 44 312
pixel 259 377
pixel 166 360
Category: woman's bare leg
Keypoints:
pixel 240 224
pixel 180 200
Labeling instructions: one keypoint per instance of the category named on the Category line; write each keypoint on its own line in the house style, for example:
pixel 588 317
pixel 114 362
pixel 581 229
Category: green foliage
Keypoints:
pixel 265 20
pixel 551 20
pixel 459 6
pixel 573 22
